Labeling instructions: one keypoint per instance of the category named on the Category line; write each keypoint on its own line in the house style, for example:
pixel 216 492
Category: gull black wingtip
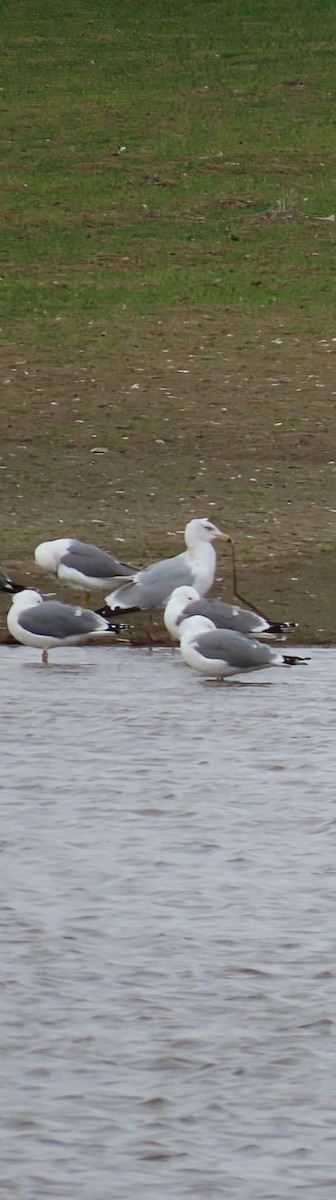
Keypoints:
pixel 116 629
pixel 295 660
pixel 114 626
pixel 280 628
pixel 108 612
pixel 9 585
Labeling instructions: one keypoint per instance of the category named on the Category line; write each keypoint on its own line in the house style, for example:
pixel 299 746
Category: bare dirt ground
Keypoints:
pixel 192 415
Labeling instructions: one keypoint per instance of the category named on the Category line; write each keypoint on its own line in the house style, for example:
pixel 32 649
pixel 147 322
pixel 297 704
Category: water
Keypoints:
pixel 168 892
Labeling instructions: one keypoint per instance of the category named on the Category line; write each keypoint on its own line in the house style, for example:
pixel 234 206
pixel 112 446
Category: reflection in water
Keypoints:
pixel 168 929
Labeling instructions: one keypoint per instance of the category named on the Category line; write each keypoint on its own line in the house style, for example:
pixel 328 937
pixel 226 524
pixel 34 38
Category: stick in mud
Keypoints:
pixel 235 586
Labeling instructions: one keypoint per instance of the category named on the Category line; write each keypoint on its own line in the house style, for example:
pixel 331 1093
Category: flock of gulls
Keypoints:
pixel 216 639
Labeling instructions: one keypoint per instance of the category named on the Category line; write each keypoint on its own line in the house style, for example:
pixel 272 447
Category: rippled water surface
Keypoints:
pixel 168 895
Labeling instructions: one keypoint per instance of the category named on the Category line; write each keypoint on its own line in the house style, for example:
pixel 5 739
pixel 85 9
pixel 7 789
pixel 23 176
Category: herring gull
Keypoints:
pixel 47 623
pixel 81 566
pixel 151 588
pixel 219 653
pixel 186 602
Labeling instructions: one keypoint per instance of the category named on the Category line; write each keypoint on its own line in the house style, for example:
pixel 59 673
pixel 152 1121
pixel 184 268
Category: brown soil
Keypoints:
pixel 146 427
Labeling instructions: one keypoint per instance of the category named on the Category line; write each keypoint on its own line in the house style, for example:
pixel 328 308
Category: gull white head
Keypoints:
pixel 202 530
pixel 180 597
pixel 48 554
pixel 194 626
pixel 26 599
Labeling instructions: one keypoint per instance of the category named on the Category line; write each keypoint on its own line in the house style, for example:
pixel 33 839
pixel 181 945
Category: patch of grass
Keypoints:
pixel 149 153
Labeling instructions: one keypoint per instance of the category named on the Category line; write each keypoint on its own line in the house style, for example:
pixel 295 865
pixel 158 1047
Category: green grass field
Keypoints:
pixel 170 154
pixel 168 183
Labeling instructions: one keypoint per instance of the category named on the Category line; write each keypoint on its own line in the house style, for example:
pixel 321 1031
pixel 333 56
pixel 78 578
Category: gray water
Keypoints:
pixel 168 895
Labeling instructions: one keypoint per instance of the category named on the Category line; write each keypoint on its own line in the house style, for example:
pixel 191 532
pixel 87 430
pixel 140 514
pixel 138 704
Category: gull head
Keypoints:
pixel 173 613
pixel 28 598
pixel 48 554
pixel 192 627
pixel 203 530
pixel 182 596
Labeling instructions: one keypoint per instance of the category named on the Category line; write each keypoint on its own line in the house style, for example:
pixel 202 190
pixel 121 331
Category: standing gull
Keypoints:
pixel 195 567
pixel 47 623
pixel 186 602
pixel 81 566
pixel 219 653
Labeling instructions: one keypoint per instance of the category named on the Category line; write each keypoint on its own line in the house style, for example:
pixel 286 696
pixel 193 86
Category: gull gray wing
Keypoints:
pixel 235 649
pixel 95 563
pixel 151 588
pixel 57 620
pixel 230 616
pixel 225 616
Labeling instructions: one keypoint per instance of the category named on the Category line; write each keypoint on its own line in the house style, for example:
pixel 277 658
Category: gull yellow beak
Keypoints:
pixel 225 537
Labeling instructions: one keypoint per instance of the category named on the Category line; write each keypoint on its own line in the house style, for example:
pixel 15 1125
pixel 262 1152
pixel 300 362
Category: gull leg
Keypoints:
pixel 150 632
pixel 85 599
pixel 45 657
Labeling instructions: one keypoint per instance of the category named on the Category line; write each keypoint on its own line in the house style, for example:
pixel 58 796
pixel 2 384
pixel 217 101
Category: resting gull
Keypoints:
pixel 46 623
pixel 81 566
pixel 186 602
pixel 195 567
pixel 219 653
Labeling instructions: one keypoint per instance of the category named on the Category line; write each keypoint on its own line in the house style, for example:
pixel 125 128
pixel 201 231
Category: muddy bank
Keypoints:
pixel 185 417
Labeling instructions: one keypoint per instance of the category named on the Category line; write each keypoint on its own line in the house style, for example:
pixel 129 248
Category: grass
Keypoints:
pixel 148 151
